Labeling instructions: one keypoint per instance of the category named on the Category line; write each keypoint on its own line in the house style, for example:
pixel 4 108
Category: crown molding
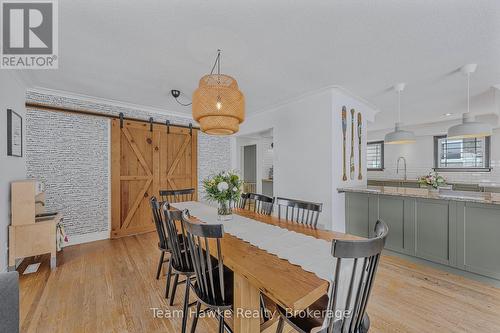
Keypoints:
pixel 305 95
pixel 105 101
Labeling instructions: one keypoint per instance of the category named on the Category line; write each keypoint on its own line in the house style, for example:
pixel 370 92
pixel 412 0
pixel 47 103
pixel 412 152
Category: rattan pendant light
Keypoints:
pixel 218 104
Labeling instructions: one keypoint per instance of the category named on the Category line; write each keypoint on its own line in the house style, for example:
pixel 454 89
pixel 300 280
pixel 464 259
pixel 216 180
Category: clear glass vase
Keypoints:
pixel 225 211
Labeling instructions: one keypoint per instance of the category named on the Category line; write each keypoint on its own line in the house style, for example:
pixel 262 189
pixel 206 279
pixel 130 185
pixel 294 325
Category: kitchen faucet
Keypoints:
pixel 397 166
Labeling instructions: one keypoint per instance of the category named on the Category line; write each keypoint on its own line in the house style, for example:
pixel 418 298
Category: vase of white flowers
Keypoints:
pixel 432 181
pixel 223 188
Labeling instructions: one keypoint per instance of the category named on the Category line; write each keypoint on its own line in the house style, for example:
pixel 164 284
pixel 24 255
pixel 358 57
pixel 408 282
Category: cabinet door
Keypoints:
pixel 391 211
pixel 432 229
pixel 357 214
pixel 479 239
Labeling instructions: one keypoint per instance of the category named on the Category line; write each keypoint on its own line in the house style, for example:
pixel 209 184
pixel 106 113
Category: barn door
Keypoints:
pixel 143 161
pixel 178 163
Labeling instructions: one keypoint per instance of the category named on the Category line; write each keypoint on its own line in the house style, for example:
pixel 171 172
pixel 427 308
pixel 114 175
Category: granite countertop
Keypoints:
pixel 396 180
pixel 479 197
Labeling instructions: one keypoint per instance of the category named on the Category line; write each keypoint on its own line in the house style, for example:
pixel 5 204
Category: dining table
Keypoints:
pixel 257 271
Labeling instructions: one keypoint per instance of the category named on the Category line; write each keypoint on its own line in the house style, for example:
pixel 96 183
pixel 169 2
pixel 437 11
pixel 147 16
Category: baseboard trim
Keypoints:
pixel 87 238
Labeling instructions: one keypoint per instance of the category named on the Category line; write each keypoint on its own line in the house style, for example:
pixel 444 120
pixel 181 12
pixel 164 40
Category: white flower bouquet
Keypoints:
pixel 223 188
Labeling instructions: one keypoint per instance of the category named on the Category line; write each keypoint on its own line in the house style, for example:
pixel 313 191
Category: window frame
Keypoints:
pixel 487 157
pixel 382 155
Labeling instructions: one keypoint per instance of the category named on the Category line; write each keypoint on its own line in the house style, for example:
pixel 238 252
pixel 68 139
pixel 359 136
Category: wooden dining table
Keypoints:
pixel 258 271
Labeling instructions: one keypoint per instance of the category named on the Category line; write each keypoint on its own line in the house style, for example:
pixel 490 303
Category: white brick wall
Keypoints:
pixel 69 153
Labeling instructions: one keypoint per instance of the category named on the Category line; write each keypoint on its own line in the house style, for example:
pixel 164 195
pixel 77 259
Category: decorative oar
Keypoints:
pixel 344 131
pixel 360 175
pixel 351 173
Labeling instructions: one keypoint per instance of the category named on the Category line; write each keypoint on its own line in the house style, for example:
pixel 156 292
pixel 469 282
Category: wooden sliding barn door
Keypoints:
pixel 143 161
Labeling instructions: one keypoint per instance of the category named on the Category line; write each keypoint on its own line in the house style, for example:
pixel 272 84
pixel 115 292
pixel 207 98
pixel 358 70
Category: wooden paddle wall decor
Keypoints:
pixel 356 121
pixel 344 142
pixel 360 173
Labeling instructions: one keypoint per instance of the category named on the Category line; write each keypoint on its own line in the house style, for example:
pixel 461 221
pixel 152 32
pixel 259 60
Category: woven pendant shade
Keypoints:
pixel 218 105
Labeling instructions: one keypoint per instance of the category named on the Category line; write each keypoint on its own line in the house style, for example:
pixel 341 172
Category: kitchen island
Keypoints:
pixel 454 228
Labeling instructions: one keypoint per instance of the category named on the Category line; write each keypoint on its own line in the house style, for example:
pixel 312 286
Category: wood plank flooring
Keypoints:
pixel 110 286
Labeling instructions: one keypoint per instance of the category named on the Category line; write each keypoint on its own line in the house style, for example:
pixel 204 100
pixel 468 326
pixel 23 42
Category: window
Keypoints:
pixel 375 156
pixel 470 154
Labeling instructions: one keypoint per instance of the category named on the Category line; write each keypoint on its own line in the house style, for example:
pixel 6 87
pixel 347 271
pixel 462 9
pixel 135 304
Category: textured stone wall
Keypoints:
pixel 70 154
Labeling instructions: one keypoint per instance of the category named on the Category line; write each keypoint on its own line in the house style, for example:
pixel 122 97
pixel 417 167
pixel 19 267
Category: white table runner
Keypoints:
pixel 312 254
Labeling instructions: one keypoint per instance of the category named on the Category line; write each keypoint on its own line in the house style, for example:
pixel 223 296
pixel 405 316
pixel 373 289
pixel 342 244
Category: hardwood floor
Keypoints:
pixel 110 286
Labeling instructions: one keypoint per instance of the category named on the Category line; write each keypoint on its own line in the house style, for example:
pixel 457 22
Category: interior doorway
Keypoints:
pixel 256 161
pixel 250 168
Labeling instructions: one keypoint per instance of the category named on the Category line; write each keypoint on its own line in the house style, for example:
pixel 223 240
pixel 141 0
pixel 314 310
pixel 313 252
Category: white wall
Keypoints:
pixel 307 149
pixel 12 95
pixel 302 148
pixel 420 157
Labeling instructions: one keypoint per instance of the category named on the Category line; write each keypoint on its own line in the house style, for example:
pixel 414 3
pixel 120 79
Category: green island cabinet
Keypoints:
pixel 464 235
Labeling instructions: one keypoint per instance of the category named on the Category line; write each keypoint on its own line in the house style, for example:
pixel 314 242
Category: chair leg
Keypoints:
pixel 221 322
pixel 281 325
pixel 263 310
pixel 195 319
pixel 186 306
pixel 169 277
pixel 160 264
pixel 174 289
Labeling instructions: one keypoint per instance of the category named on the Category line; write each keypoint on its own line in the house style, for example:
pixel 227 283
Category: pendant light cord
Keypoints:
pixel 216 63
pixel 399 106
pixel 468 92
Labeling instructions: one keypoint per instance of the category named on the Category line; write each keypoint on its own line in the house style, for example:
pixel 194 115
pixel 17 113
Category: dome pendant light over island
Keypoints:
pixel 469 128
pixel 399 136
pixel 218 104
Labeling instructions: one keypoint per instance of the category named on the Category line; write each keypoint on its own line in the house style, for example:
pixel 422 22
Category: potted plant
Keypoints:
pixel 432 181
pixel 223 188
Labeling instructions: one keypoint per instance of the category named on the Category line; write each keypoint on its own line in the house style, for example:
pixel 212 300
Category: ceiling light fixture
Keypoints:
pixel 399 136
pixel 469 128
pixel 218 104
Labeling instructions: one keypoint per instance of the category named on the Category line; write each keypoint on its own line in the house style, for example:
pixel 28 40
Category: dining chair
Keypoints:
pixel 162 235
pixel 349 292
pixel 299 211
pixel 180 261
pixel 214 281
pixel 259 203
pixel 181 195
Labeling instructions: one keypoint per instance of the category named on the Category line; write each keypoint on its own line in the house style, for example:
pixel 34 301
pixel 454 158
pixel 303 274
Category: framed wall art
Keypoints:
pixel 14 134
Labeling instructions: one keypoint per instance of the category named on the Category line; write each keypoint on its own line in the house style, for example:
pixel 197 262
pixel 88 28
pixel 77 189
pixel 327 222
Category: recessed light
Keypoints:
pixel 447 114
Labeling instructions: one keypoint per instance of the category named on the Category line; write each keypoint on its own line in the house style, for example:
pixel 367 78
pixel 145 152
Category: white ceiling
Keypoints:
pixel 137 51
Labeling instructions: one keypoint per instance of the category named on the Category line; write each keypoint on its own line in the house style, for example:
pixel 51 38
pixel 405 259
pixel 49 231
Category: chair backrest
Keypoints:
pixel 177 240
pixel 209 272
pixel 355 268
pixel 181 195
pixel 259 203
pixel 158 220
pixel 298 211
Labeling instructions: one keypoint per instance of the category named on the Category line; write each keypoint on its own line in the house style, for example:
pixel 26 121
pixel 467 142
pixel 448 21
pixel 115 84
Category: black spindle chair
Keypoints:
pixel 180 261
pixel 259 203
pixel 298 211
pixel 364 255
pixel 214 282
pixel 181 195
pixel 162 236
